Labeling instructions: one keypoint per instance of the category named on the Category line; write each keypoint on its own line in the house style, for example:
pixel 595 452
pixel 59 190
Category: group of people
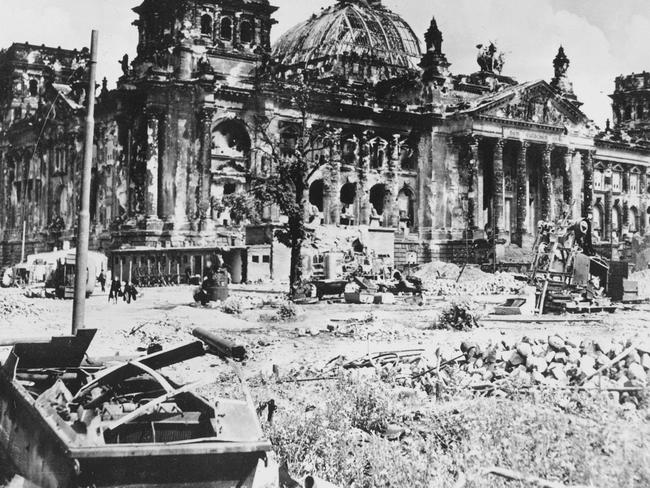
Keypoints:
pixel 127 292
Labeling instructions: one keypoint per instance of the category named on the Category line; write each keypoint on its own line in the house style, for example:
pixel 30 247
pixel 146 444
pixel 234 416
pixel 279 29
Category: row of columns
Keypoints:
pixel 199 209
pixel 570 190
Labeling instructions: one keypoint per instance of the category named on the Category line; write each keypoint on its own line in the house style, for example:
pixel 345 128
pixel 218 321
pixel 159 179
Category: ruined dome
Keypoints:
pixel 363 30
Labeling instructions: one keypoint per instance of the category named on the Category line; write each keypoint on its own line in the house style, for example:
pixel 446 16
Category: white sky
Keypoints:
pixel 603 38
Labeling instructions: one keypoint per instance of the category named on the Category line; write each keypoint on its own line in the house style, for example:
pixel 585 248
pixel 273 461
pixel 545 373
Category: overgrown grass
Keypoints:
pixel 335 431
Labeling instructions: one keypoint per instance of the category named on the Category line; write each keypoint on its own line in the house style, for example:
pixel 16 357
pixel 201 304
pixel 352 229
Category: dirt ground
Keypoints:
pixel 168 315
pixel 304 345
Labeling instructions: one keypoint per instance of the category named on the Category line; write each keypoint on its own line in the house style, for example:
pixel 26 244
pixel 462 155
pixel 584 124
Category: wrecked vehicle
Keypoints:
pixel 68 423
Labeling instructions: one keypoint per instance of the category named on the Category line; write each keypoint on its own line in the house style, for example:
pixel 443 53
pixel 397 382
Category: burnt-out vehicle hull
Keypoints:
pixel 169 438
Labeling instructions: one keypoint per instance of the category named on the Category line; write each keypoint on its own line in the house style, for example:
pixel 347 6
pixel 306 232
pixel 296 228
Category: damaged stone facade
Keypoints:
pixel 435 155
pixel 42 92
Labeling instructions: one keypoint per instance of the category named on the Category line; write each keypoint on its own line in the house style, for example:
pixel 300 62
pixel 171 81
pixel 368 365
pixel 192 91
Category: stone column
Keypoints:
pixel 3 189
pixel 236 28
pixel 364 191
pixel 607 218
pixel 475 197
pixel 499 190
pixel 547 185
pixel 326 171
pixel 151 177
pixel 335 182
pixel 127 169
pixel 522 193
pixel 205 170
pixel 588 190
pixel 168 167
pixel 568 182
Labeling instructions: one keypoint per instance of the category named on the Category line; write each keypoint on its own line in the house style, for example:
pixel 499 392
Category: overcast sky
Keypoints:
pixel 603 38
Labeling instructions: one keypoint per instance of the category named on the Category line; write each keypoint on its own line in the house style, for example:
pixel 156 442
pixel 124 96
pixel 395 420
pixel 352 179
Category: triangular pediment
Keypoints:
pixel 535 103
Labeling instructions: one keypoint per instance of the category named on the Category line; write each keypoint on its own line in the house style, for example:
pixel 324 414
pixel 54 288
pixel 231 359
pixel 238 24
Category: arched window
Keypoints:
pixel 378 198
pixel 230 139
pixel 616 220
pixel 226 29
pixel 633 218
pixel 406 206
pixel 316 192
pixel 206 25
pixel 597 221
pixel 33 87
pixel 628 113
pixel 246 32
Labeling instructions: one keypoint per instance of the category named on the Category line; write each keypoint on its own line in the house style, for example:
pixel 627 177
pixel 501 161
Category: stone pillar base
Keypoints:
pixel 207 226
pixel 153 223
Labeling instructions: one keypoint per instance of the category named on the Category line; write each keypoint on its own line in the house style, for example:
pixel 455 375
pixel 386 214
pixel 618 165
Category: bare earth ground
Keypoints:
pixel 576 439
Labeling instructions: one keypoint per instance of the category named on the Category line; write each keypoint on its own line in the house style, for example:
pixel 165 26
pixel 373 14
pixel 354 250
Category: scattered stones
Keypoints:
pixel 14 303
pixel 439 279
pixel 556 363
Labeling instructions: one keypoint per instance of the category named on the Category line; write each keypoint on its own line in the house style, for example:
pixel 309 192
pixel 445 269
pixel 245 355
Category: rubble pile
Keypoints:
pixel 439 279
pixel 163 331
pixel 16 304
pixel 622 369
pixel 643 279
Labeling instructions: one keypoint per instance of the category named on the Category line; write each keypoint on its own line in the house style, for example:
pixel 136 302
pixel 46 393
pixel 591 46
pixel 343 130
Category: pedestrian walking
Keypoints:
pixel 130 292
pixel 115 290
pixel 101 279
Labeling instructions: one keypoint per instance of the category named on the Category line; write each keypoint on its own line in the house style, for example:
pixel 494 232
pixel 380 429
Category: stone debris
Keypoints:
pixel 440 279
pixel 16 304
pixel 643 279
pixel 619 368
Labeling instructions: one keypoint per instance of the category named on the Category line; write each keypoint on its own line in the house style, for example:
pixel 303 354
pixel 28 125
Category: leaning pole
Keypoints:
pixel 83 227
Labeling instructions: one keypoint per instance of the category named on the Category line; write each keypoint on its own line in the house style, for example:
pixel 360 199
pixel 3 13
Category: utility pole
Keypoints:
pixel 83 227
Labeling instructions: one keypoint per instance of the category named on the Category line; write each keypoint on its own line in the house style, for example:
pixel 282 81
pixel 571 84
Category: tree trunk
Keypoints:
pixel 295 274
pixel 296 228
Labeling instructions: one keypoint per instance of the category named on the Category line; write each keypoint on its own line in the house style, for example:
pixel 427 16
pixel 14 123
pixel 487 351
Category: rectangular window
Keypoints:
pixel 616 181
pixel 256 259
pixel 634 183
pixel 598 180
pixel 266 259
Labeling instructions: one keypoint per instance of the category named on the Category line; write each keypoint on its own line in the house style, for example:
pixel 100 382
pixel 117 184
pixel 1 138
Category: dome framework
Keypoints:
pixel 358 28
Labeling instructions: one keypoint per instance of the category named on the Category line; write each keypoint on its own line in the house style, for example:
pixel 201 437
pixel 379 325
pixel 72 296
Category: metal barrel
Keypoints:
pixel 219 346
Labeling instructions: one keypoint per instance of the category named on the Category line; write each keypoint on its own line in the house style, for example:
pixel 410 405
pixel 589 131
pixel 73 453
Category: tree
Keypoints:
pixel 292 162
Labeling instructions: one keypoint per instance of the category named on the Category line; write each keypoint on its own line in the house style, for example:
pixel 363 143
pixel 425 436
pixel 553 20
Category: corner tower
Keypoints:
pixel 189 38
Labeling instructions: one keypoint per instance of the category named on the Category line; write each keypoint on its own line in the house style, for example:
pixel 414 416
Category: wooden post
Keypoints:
pixel 83 230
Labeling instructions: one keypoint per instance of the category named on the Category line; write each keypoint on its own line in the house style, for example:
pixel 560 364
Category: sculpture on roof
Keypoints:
pixel 124 64
pixel 490 59
pixel 561 63
pixel 561 82
pixel 433 37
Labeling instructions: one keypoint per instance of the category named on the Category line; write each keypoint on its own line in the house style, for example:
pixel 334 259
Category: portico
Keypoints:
pixel 521 157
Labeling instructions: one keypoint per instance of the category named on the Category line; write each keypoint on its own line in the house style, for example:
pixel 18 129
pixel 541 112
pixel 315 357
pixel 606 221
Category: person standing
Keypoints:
pixel 102 280
pixel 115 290
pixel 130 292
